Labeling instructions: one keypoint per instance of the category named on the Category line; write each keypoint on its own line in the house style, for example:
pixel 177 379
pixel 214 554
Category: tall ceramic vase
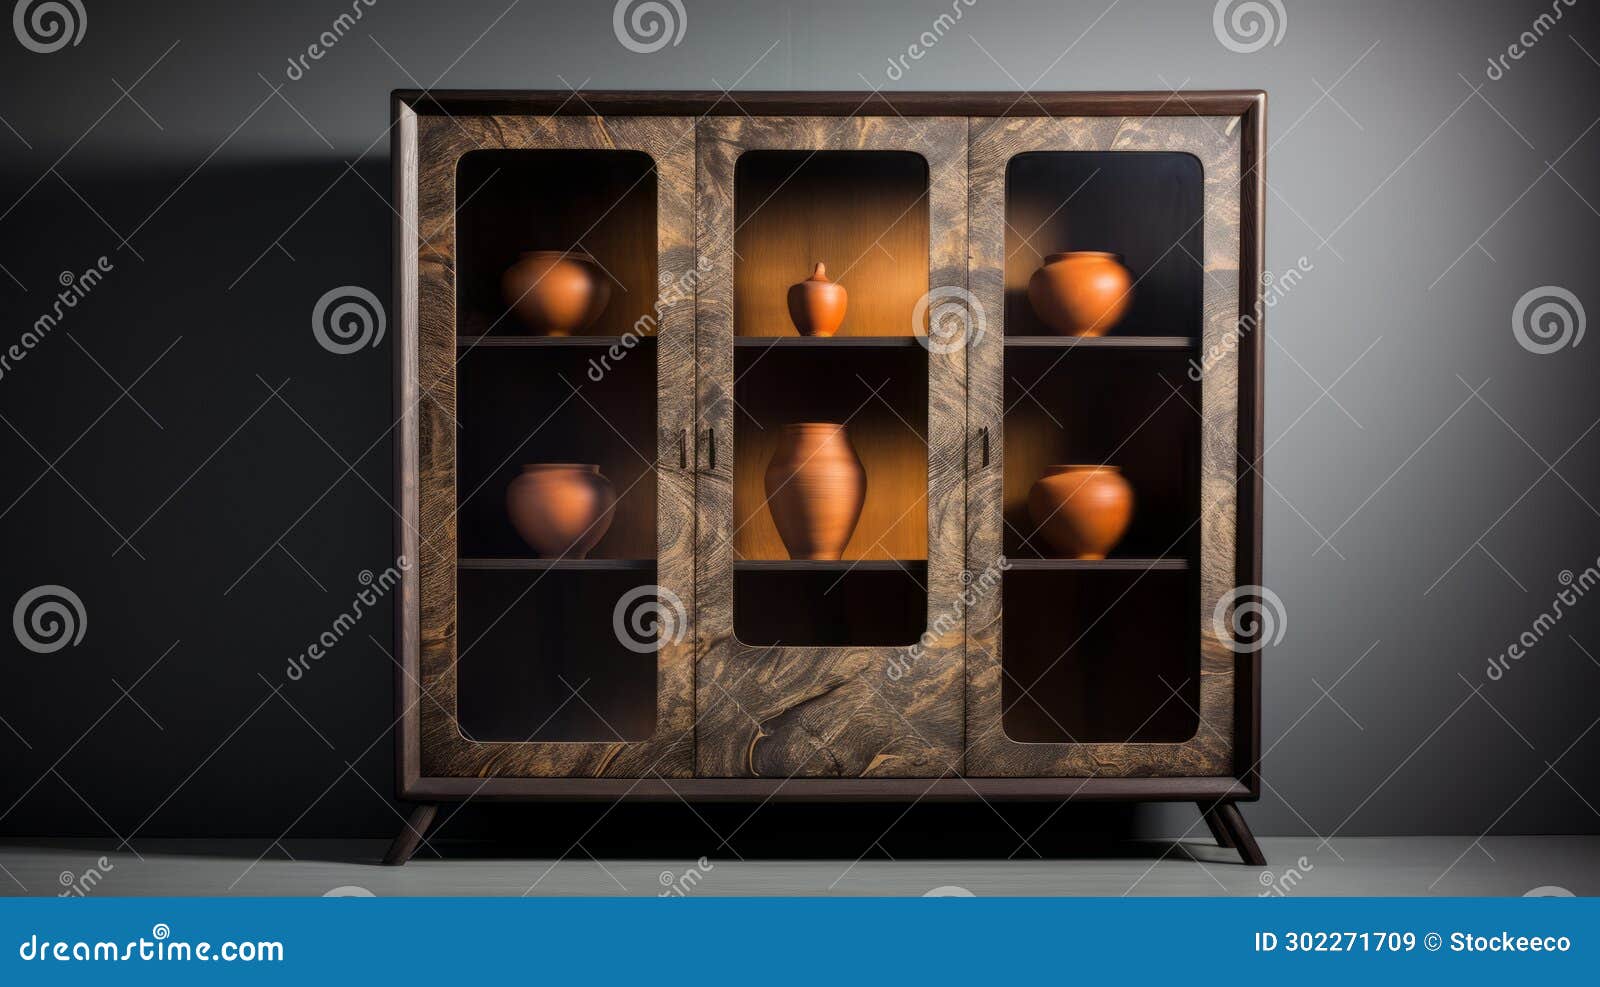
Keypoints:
pixel 815 489
pixel 561 510
pixel 1081 292
pixel 1081 511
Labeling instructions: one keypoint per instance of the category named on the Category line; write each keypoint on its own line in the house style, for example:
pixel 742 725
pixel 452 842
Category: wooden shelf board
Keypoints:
pixel 1102 342
pixel 826 342
pixel 565 565
pixel 1099 565
pixel 844 565
pixel 468 342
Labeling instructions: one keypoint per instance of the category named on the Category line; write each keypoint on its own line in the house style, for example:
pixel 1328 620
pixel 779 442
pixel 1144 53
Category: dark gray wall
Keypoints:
pixel 185 406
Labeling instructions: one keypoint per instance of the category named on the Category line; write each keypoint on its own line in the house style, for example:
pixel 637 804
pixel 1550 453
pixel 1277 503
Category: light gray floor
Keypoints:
pixel 1448 865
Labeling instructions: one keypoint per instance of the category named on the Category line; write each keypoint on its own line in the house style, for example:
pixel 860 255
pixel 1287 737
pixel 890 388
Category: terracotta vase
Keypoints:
pixel 815 488
pixel 554 292
pixel 1081 293
pixel 561 510
pixel 1081 511
pixel 816 304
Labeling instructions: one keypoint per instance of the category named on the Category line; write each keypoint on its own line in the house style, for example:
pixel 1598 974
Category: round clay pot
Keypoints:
pixel 815 488
pixel 1081 293
pixel 816 304
pixel 561 509
pixel 554 292
pixel 1081 511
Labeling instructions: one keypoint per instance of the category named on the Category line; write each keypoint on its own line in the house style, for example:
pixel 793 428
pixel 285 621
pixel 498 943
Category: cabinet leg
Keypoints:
pixel 1219 832
pixel 405 844
pixel 1228 815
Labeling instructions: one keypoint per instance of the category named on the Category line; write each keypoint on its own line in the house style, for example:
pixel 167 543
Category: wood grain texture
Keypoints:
pixel 441 141
pixel 783 712
pixel 1215 141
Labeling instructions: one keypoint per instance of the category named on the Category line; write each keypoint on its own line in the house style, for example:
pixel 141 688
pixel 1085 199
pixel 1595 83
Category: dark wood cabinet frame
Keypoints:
pixel 425 483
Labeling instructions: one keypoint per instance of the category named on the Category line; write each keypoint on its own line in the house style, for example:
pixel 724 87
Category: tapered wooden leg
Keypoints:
pixel 1218 831
pixel 1228 814
pixel 405 844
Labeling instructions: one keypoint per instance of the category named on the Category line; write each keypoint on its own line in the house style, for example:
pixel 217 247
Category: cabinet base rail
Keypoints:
pixel 1223 817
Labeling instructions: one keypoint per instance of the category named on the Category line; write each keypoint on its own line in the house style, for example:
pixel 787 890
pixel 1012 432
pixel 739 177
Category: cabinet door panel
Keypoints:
pixel 854 667
pixel 529 667
pixel 1114 667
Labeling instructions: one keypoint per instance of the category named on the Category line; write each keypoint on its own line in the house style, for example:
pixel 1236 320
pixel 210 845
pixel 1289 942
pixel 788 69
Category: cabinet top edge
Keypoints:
pixel 561 102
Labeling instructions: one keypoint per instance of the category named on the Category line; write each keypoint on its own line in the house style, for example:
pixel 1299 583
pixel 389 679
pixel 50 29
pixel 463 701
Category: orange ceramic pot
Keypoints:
pixel 555 293
pixel 1081 293
pixel 815 488
pixel 1081 511
pixel 816 304
pixel 561 510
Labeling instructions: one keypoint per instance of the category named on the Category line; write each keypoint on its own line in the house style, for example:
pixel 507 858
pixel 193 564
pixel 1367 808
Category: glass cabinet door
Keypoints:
pixel 832 425
pixel 554 264
pixel 1095 653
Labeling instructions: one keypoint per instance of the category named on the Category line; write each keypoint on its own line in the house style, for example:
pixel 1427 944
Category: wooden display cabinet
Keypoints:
pixel 946 655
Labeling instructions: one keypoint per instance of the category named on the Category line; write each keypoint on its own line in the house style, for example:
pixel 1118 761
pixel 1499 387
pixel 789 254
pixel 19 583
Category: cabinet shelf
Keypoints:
pixel 599 342
pixel 1101 342
pixel 563 565
pixel 841 566
pixel 826 342
pixel 1098 565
